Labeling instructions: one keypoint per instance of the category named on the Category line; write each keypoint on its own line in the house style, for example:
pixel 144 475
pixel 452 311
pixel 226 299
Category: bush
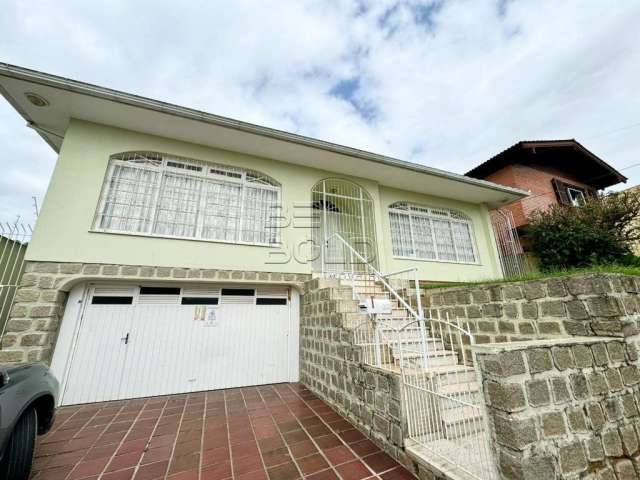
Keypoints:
pixel 598 232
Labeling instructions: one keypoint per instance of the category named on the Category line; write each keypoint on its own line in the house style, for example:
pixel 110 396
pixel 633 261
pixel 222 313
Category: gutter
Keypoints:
pixel 54 81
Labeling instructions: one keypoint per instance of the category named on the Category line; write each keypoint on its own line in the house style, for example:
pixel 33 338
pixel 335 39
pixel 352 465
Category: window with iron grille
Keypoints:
pixel 427 233
pixel 160 195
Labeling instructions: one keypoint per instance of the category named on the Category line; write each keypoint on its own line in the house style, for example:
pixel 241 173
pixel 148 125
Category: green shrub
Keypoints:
pixel 598 232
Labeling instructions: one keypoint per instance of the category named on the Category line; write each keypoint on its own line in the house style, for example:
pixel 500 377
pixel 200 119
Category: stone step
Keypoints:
pixel 396 312
pixel 403 317
pixel 461 422
pixel 434 358
pixel 443 375
pixel 342 294
pixel 465 457
pixel 346 306
pixel 415 344
pixel 467 392
pixel 378 294
pixel 360 282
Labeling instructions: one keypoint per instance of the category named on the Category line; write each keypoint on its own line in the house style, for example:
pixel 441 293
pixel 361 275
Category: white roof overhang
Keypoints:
pixel 72 99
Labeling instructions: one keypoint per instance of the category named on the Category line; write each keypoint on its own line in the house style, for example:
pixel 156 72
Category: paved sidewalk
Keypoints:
pixel 273 432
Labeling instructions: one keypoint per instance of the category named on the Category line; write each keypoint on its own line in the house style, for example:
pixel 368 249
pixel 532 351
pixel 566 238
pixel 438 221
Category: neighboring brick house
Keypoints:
pixel 552 171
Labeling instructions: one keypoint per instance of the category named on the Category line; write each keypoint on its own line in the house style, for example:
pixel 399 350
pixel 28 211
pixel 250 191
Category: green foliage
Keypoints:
pixel 598 232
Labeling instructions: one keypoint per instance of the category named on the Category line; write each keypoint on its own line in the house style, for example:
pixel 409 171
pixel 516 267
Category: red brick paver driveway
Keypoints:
pixel 274 432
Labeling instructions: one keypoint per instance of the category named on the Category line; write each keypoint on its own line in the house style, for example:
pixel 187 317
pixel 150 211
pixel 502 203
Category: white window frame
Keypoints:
pixel 579 198
pixel 223 174
pixel 432 213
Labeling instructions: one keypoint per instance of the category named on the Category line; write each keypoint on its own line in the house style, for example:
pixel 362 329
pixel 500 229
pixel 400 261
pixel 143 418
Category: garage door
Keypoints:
pixel 138 341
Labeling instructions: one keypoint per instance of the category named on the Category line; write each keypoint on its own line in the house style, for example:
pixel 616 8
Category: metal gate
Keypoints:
pixel 344 208
pixel 443 401
pixel 512 258
pixel 14 239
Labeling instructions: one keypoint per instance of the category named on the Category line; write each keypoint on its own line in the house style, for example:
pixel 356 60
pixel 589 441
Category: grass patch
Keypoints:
pixel 609 268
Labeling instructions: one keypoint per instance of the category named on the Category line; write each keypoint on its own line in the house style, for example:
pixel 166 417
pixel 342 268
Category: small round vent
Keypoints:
pixel 36 99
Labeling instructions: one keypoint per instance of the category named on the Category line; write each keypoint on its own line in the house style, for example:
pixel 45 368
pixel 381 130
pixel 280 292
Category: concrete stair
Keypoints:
pixel 471 464
pixel 453 418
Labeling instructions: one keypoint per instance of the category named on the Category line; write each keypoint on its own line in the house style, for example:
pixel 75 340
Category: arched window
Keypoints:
pixel 161 195
pixel 429 233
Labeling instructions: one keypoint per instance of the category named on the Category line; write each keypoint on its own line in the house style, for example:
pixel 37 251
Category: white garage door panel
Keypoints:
pixel 94 364
pixel 168 351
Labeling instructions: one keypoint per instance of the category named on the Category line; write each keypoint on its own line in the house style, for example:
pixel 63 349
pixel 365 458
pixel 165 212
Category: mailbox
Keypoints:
pixel 376 305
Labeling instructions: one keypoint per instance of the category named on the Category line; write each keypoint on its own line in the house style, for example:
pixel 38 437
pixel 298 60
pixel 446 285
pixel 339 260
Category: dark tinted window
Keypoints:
pixel 112 300
pixel 239 292
pixel 271 301
pixel 159 291
pixel 199 300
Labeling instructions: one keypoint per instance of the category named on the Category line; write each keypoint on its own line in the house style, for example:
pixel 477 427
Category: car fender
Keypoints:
pixel 26 387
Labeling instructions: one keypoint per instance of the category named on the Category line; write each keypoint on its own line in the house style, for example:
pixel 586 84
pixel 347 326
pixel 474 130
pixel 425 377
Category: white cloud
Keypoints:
pixel 445 83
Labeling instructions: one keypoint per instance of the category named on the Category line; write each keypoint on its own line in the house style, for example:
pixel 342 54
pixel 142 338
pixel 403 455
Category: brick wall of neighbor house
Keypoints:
pixel 564 408
pixel 582 305
pixel 35 317
pixel 506 176
pixel 535 179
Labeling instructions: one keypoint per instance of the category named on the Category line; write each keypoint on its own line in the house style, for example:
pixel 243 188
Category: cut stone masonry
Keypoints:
pixel 35 317
pixel 564 408
pixel 582 305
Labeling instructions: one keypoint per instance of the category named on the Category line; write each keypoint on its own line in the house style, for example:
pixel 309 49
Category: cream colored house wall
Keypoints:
pixel 63 232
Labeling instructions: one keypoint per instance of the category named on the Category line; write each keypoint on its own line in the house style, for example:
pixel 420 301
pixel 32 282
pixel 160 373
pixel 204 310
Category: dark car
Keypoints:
pixel 28 396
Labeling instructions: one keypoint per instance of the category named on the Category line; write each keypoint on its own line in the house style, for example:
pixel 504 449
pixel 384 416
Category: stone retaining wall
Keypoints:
pixel 34 320
pixel 583 305
pixel 330 366
pixel 564 409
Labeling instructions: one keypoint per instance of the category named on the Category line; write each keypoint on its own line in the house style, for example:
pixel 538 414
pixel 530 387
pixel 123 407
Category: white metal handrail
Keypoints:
pixel 406 280
pixel 372 270
pixel 445 411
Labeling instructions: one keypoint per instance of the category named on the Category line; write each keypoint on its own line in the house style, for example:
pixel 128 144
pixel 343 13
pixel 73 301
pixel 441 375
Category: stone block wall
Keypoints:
pixel 330 366
pixel 564 408
pixel 582 305
pixel 35 317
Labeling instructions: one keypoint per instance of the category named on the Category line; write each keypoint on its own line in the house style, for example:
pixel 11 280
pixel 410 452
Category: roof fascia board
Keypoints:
pixel 108 94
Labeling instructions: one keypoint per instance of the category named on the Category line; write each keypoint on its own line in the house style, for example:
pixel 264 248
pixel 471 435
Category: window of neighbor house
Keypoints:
pixel 161 195
pixel 428 233
pixel 576 196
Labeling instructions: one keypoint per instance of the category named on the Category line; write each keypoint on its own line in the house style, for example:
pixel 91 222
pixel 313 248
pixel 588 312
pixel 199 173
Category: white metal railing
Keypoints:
pixel 444 406
pixel 365 278
pixel 14 238
pixel 405 283
pixel 513 260
pixel 445 409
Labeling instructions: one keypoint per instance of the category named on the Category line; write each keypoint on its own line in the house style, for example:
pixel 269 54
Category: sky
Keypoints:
pixel 442 83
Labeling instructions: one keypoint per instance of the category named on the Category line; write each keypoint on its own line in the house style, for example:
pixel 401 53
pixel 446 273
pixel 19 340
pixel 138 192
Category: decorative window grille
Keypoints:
pixel 159 195
pixel 431 234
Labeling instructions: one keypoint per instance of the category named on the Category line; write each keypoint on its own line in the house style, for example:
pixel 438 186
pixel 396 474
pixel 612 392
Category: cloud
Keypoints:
pixel 443 83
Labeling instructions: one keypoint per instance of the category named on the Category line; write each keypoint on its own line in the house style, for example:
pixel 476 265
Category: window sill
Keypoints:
pixel 191 239
pixel 451 262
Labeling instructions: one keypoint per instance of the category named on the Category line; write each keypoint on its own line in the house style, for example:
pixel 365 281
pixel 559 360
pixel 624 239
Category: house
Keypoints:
pixel 172 244
pixel 552 171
